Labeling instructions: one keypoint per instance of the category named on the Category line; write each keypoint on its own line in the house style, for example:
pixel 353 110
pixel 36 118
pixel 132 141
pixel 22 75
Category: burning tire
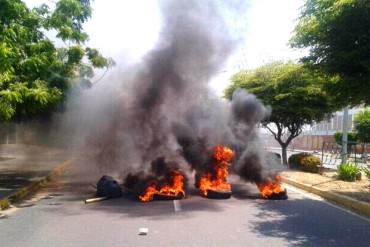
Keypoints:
pixel 283 195
pixel 161 197
pixel 213 183
pixel 272 189
pixel 218 194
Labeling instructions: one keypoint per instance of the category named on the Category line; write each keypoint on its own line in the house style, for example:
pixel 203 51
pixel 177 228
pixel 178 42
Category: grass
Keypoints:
pixel 348 172
pixel 367 171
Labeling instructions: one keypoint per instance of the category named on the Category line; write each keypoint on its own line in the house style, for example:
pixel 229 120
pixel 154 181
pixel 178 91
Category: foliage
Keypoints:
pixel 337 34
pixel 305 161
pixel 362 125
pixel 347 172
pixel 35 75
pixel 367 172
pixel 295 159
pixel 351 137
pixel 294 94
pixel 310 163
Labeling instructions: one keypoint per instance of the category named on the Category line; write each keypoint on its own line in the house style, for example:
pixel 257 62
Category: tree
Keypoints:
pixel 35 75
pixel 337 34
pixel 294 94
pixel 352 137
pixel 362 125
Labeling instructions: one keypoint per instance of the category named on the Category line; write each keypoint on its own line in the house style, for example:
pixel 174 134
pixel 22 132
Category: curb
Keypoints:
pixel 22 193
pixel 360 207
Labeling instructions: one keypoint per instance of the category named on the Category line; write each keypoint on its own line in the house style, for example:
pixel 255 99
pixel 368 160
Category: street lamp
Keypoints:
pixel 345 135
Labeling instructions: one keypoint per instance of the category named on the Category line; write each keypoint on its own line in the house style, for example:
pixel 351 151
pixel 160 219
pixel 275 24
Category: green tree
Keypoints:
pixel 35 75
pixel 352 137
pixel 337 34
pixel 362 125
pixel 294 94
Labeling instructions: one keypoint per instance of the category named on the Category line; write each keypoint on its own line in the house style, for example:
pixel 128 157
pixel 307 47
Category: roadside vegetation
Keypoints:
pixel 348 172
pixel 305 162
pixel 334 74
pixel 337 36
pixel 35 73
pixel 293 92
pixel 367 172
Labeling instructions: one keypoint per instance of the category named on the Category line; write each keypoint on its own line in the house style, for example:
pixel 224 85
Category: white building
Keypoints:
pixel 334 124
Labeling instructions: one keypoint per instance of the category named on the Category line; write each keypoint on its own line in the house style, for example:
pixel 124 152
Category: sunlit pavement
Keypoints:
pixel 21 164
pixel 243 220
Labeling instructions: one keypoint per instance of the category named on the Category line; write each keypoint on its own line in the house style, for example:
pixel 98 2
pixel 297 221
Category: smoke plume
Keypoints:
pixel 163 109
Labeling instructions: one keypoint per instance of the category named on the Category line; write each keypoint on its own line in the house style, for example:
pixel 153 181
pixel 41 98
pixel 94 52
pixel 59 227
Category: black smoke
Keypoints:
pixel 164 108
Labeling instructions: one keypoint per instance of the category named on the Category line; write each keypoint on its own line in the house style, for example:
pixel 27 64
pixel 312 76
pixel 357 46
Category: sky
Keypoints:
pixel 126 30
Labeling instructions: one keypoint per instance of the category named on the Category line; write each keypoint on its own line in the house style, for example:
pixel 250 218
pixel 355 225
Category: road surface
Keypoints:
pixel 243 220
pixel 22 164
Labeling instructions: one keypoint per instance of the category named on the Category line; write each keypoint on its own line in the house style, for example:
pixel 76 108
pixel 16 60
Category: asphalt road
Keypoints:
pixel 243 220
pixel 22 164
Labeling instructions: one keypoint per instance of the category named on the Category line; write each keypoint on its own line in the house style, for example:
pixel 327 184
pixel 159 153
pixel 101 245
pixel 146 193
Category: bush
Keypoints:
pixel 295 159
pixel 305 162
pixel 347 172
pixel 311 163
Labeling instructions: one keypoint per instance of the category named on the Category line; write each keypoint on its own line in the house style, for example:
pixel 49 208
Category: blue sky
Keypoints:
pixel 126 30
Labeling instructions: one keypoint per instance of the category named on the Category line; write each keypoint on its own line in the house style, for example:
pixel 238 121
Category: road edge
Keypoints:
pixel 357 206
pixel 26 191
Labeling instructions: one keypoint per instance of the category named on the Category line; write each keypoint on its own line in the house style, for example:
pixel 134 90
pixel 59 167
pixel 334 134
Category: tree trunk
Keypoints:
pixel 284 154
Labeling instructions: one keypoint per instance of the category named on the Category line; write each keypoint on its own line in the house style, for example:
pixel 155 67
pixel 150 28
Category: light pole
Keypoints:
pixel 345 135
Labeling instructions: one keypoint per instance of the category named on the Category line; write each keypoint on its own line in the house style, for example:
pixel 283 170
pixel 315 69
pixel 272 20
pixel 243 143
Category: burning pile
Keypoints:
pixel 171 188
pixel 213 183
pixel 272 189
pixel 165 181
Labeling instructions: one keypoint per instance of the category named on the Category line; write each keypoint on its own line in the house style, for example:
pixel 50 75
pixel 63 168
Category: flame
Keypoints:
pixel 175 188
pixel 270 187
pixel 149 193
pixel 218 179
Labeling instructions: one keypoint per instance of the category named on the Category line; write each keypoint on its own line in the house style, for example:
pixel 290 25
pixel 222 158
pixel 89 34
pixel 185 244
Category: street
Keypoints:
pixel 243 220
pixel 21 164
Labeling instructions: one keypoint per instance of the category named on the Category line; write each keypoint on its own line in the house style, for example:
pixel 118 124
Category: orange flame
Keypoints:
pixel 270 187
pixel 149 193
pixel 222 157
pixel 176 188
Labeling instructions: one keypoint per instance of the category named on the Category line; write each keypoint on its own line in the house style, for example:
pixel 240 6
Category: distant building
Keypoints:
pixel 313 137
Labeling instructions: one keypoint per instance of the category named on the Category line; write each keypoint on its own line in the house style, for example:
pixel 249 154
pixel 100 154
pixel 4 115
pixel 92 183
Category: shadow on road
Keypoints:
pixel 307 222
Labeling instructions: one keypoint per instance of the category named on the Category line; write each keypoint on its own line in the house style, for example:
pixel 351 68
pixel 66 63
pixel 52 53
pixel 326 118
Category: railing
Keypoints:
pixel 331 153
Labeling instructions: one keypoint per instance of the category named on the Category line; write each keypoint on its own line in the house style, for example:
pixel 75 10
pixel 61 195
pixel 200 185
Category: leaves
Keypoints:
pixel 294 93
pixel 337 34
pixel 67 19
pixel 35 75
pixel 362 125
pixel 96 58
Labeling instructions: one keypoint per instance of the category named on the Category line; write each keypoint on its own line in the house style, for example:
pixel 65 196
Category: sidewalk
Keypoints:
pixel 352 195
pixel 21 164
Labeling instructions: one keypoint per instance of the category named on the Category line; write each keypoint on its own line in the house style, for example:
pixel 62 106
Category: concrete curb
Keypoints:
pixel 22 193
pixel 360 207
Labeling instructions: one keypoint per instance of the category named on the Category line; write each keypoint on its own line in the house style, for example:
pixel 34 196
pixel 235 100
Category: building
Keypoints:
pixel 313 136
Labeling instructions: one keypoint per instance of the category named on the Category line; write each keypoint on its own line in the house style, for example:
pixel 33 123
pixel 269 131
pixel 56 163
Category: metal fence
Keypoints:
pixel 331 153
